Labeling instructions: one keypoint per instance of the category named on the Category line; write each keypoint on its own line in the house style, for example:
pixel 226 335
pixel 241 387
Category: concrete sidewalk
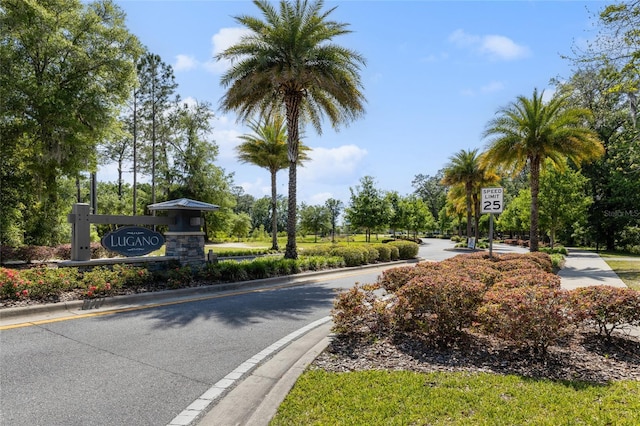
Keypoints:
pixel 584 268
pixel 255 400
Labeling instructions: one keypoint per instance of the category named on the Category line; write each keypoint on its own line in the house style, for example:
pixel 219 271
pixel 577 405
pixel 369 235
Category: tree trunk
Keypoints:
pixel 274 212
pixel 535 189
pixel 292 99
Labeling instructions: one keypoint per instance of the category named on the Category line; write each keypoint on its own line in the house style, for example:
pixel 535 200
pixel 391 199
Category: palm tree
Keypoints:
pixel 464 169
pixel 289 63
pixel 267 148
pixel 528 131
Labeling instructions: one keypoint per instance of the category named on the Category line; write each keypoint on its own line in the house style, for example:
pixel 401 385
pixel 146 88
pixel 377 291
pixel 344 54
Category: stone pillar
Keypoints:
pixel 187 246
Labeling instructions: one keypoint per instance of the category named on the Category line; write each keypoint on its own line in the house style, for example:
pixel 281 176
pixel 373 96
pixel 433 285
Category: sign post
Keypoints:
pixel 491 202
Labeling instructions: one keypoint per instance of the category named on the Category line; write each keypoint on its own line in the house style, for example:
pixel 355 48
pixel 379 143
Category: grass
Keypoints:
pixel 409 398
pixel 627 270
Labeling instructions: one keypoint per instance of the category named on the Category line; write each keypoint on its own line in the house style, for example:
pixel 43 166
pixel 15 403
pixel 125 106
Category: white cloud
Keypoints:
pixel 185 63
pixel 332 165
pixel 220 41
pixel 494 46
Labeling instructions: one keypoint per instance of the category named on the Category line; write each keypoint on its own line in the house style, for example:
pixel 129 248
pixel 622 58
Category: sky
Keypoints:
pixel 436 72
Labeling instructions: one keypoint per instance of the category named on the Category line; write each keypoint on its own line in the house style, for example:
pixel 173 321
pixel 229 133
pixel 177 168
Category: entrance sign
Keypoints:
pixel 492 200
pixel 133 241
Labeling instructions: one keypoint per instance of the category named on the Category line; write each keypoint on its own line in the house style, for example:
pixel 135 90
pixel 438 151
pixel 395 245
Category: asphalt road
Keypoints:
pixel 144 367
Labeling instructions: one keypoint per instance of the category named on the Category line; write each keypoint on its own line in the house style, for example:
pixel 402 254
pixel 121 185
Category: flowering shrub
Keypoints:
pixel 527 316
pixel 440 305
pixel 607 308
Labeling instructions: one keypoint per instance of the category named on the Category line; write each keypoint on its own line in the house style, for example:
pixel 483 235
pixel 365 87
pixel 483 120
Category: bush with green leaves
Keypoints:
pixel 406 249
pixel 384 252
pixel 607 308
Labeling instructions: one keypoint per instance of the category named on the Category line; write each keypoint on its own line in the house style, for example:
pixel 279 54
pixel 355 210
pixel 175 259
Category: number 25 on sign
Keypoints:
pixel 492 200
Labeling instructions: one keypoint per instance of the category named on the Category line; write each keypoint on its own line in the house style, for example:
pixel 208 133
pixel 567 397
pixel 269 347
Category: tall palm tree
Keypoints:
pixel 528 131
pixel 289 63
pixel 267 148
pixel 464 169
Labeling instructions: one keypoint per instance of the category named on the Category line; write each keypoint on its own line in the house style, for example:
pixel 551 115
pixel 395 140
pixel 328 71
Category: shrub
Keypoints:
pixel 529 316
pixel 440 305
pixel 384 252
pixel 358 311
pixel 607 308
pixel 100 282
pixel 353 255
pixel 528 277
pixel 406 249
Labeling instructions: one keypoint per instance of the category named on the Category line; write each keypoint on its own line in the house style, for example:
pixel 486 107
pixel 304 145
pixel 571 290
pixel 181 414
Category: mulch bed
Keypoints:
pixel 583 357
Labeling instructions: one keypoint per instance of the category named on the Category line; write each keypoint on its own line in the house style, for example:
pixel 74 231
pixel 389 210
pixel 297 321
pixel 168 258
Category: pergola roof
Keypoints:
pixel 183 204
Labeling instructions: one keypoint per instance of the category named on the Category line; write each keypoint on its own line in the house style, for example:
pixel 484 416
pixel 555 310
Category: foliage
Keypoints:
pixel 267 148
pixel 529 316
pixel 607 308
pixel 406 249
pixel 290 63
pixel 59 96
pixel 440 305
pixel 359 312
pixel 528 131
pixel 315 220
pixel 368 208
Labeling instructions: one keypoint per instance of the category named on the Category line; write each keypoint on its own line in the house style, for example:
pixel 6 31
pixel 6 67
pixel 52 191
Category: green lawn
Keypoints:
pixel 408 398
pixel 627 270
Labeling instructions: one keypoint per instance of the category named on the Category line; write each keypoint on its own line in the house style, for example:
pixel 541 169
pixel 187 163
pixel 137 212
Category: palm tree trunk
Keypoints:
pixel 274 212
pixel 535 189
pixel 292 101
pixel 291 250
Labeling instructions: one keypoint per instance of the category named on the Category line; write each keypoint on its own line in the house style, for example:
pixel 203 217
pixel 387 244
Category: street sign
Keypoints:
pixel 492 200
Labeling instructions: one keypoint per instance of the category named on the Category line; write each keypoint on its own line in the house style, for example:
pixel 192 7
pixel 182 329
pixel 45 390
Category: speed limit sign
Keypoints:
pixel 492 200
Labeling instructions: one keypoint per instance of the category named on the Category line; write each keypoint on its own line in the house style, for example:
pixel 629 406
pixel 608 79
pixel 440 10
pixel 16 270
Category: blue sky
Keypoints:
pixel 436 73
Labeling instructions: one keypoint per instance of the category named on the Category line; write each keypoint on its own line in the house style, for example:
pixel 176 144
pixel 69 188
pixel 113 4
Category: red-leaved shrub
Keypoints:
pixel 529 316
pixel 528 277
pixel 607 308
pixel 358 311
pixel 439 305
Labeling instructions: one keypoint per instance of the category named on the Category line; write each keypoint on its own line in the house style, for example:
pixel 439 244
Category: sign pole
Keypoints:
pixel 490 235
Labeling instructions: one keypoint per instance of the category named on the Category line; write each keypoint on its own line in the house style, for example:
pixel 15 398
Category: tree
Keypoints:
pixel 419 215
pixel 528 131
pixel 315 219
pixel 289 63
pixel 562 199
pixel 368 207
pixel 240 225
pixel 335 208
pixel 431 190
pixel 157 85
pixel 614 179
pixel 267 148
pixel 65 68
pixel 464 169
